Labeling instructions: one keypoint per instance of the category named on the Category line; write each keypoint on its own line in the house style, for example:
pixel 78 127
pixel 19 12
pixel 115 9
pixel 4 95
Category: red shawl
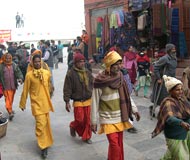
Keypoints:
pixel 130 55
pixel 1 90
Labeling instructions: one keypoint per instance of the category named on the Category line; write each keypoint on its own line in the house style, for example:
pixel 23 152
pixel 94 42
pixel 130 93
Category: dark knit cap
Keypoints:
pixel 169 47
pixel 78 57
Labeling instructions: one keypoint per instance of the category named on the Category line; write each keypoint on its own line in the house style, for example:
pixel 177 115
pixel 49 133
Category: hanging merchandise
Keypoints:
pixel 136 4
pixel 121 16
pixel 142 20
pixel 175 21
pixel 182 45
pixel 99 30
pixel 122 30
pixel 113 20
pixel 105 32
pixel 126 35
pixel 169 3
pixel 175 27
pixel 99 26
pixel 118 19
pixel 156 12
pixel 163 17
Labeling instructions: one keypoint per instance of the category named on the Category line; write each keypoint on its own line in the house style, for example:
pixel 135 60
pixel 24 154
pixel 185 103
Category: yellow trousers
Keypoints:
pixel 43 131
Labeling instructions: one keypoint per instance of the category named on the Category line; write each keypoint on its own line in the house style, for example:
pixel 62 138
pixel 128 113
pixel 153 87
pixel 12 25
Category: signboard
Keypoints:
pixel 5 35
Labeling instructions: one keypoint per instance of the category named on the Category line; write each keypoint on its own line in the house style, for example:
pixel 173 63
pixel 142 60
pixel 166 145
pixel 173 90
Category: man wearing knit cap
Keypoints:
pixel 174 121
pixel 110 97
pixel 166 65
pixel 71 62
pixel 78 87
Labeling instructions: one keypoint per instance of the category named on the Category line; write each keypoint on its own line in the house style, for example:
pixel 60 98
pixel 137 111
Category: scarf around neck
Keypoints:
pixel 82 76
pixel 117 82
pixel 38 73
pixel 179 108
pixel 4 59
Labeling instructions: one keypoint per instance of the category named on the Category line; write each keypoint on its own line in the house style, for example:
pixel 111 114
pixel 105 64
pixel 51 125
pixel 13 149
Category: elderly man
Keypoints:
pixel 78 87
pixel 37 84
pixel 111 99
pixel 166 65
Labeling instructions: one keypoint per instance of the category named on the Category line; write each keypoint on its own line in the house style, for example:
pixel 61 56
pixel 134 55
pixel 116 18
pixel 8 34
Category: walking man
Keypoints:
pixel 10 75
pixel 48 58
pixel 78 87
pixel 17 20
pixel 111 99
pixel 166 65
pixel 37 84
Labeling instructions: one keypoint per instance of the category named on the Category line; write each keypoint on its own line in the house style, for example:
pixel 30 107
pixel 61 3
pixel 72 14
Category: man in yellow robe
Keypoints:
pixel 37 84
pixel 44 66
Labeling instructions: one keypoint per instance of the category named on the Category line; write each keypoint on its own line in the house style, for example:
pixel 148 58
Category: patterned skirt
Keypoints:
pixel 177 149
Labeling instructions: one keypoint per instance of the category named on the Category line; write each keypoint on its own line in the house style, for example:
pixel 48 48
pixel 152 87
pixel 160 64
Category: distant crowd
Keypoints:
pixel 100 103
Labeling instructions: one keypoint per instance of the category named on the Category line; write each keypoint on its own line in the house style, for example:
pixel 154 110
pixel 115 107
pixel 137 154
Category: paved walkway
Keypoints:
pixel 20 142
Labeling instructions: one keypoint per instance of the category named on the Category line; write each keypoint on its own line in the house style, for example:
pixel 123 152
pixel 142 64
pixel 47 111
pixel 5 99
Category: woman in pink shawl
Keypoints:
pixel 129 61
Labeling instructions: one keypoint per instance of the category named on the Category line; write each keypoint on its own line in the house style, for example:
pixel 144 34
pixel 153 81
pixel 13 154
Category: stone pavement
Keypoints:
pixel 20 142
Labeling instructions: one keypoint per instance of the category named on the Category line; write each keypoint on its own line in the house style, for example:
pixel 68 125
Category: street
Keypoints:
pixel 20 141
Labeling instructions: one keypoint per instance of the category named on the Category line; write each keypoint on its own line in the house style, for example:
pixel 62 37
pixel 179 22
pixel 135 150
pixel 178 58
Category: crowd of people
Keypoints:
pixel 101 103
pixel 33 69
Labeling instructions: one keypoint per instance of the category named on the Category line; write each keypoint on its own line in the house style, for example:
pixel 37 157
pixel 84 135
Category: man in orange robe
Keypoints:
pixel 10 75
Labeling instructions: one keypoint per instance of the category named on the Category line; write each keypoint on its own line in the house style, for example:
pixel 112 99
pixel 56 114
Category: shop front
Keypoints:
pixel 141 23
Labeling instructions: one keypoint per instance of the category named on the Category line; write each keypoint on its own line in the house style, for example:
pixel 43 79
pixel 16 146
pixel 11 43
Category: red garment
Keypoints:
pixel 115 151
pixel 160 54
pixel 113 49
pixel 130 55
pixel 143 58
pixel 132 73
pixel 9 97
pixel 100 19
pixel 78 57
pixel 1 90
pixel 105 31
pixel 81 122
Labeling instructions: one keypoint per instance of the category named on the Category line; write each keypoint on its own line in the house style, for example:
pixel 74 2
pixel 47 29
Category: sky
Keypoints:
pixel 55 17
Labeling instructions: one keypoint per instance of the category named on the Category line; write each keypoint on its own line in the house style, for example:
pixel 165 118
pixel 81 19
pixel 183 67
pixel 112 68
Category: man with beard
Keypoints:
pixel 166 65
